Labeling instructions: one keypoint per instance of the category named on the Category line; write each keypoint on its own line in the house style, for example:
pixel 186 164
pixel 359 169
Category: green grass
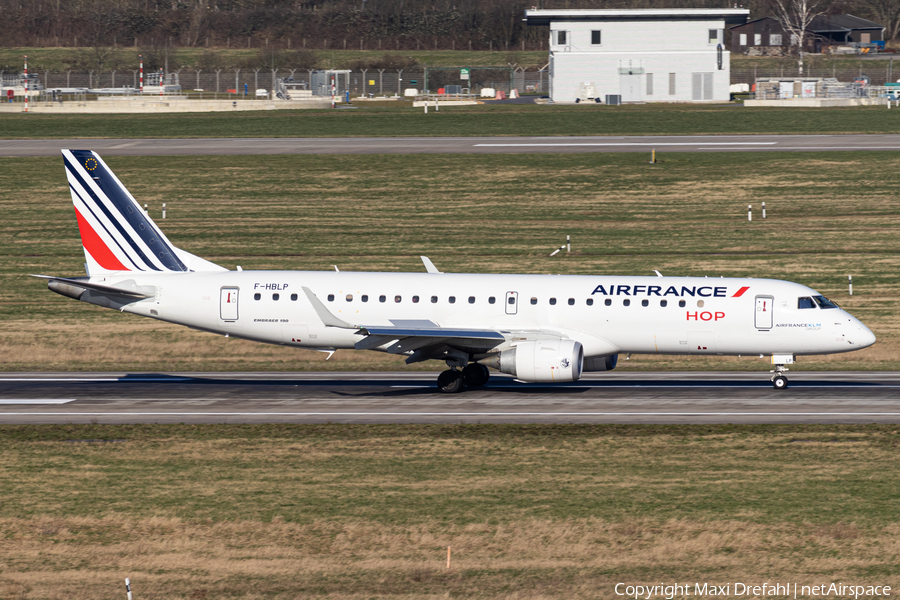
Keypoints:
pixel 337 511
pixel 830 215
pixel 505 120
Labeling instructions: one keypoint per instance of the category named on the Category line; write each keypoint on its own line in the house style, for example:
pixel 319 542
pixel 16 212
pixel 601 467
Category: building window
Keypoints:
pixel 713 36
pixel 757 39
pixel 743 39
pixel 558 37
pixel 649 84
pixel 774 39
pixel 595 38
pixel 671 84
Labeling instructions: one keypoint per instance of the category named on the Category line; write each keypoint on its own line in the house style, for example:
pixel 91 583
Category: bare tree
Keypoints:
pixel 885 12
pixel 795 17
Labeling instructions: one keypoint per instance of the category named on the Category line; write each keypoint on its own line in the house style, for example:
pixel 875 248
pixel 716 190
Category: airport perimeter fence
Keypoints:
pixel 877 72
pixel 377 82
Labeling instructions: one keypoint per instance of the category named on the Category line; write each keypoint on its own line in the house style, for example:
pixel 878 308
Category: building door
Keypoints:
pixel 228 304
pixel 512 303
pixel 701 86
pixel 785 89
pixel 630 87
pixel 764 307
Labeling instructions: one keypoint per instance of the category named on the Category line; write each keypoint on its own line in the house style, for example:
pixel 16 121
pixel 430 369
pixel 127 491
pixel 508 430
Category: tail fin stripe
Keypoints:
pixel 87 206
pixel 84 185
pixel 97 248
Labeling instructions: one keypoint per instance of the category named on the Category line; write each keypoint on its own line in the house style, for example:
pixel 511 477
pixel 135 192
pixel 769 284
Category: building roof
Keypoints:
pixel 731 16
pixel 829 23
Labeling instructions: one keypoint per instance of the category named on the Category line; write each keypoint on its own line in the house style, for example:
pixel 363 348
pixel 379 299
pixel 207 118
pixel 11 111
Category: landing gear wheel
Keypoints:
pixel 450 381
pixel 476 375
pixel 780 382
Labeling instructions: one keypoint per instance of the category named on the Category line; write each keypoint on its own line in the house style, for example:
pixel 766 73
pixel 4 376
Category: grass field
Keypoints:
pixel 506 120
pixel 830 215
pixel 531 512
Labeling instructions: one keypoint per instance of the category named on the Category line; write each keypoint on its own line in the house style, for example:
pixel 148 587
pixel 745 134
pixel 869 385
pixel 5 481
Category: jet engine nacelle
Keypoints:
pixel 542 361
pixel 601 363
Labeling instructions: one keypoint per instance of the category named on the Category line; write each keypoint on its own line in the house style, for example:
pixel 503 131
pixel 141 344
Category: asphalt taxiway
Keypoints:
pixel 624 397
pixel 455 145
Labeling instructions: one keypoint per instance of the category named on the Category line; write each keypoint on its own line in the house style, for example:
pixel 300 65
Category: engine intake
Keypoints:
pixel 601 363
pixel 541 361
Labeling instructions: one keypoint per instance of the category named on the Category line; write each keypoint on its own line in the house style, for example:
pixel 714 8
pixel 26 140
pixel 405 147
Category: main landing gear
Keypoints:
pixel 453 381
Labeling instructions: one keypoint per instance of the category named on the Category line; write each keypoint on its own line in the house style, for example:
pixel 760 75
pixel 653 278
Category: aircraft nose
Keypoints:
pixel 865 336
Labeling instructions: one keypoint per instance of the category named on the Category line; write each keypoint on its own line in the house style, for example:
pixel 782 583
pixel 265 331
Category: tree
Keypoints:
pixel 795 17
pixel 886 13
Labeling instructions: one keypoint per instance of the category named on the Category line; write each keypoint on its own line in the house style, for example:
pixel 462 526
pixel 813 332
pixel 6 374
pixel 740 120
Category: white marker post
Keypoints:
pixel 555 252
pixel 145 210
pixel 850 280
pixel 141 56
pixel 448 560
pixel 128 587
pixel 332 90
pixel 568 244
pixel 426 105
pixel 749 212
pixel 164 210
pixel 26 83
pixel 764 210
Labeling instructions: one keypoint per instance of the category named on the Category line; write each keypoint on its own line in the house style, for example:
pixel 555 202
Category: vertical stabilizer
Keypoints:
pixel 115 233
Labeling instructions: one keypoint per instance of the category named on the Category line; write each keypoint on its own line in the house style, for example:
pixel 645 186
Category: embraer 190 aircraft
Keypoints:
pixel 538 328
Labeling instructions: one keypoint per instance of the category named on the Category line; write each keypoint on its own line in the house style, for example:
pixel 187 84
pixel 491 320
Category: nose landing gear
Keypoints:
pixel 779 381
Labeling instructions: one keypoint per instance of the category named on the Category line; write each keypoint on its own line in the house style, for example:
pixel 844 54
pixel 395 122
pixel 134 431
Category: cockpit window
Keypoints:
pixel 805 303
pixel 824 302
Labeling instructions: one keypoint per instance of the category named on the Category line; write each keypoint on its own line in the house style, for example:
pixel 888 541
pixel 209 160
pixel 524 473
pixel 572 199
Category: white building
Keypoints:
pixel 642 55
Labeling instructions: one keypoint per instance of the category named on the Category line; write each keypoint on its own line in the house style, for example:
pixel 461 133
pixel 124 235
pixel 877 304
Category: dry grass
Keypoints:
pixel 549 512
pixel 828 217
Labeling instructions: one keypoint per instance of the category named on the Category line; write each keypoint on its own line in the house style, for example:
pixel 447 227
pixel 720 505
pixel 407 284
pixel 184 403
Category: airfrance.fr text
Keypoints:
pixel 784 590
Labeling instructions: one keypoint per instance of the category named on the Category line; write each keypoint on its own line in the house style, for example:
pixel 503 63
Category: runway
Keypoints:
pixel 454 145
pixel 726 397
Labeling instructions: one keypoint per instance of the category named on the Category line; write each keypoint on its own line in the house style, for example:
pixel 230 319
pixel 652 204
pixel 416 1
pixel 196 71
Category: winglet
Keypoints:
pixel 327 318
pixel 429 266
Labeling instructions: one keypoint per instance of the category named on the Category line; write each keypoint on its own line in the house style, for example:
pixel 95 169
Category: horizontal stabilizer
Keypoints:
pixel 70 287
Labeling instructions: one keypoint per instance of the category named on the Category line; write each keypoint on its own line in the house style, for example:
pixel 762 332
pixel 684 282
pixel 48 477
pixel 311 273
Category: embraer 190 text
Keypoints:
pixel 538 328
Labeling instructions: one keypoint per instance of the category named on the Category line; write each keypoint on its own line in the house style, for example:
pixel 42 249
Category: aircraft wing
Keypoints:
pixel 422 339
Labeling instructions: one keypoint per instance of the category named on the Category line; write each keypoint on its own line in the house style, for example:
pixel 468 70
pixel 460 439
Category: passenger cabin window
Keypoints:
pixel 552 301
pixel 805 303
pixel 590 302
pixel 824 302
pixel 533 300
pixel 382 298
pixel 626 302
pixel 608 302
pixel 275 296
pixel 452 299
pixel 364 298
pixel 645 303
pixel 471 299
pixel 571 301
pixel 294 297
pixel 349 297
pixel 434 299
pixel 397 298
pixel 257 296
pixel 331 297
pixel 491 300
pixel 415 299
pixel 663 303
pixel 682 303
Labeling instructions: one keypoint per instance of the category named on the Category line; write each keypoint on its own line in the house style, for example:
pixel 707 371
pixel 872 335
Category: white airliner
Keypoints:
pixel 538 328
